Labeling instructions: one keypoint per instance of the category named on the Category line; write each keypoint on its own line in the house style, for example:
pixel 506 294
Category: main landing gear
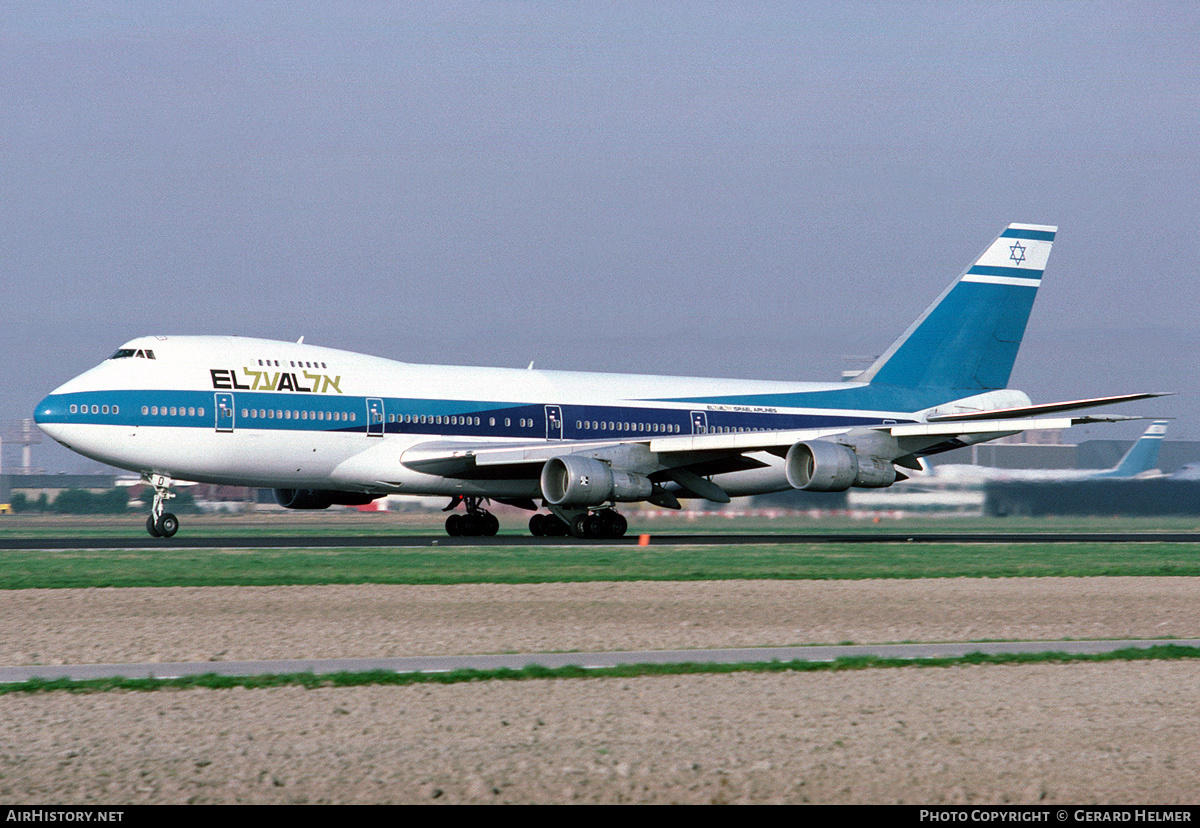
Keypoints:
pixel 477 522
pixel 161 523
pixel 579 523
pixel 606 523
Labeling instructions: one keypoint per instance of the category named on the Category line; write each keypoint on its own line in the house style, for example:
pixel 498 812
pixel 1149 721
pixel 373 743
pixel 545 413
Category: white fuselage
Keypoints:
pixel 255 412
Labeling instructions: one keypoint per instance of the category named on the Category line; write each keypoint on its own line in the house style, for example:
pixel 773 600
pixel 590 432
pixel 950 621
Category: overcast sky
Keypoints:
pixel 768 190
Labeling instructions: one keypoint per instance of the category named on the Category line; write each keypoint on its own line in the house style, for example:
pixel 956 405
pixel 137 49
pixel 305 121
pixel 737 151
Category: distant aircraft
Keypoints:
pixel 1140 461
pixel 323 427
pixel 1190 471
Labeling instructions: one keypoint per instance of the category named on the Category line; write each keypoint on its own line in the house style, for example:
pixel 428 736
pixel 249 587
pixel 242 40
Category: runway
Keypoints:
pixel 586 660
pixel 675 539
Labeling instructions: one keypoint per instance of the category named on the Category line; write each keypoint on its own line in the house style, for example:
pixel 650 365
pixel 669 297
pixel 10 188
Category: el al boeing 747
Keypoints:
pixel 322 426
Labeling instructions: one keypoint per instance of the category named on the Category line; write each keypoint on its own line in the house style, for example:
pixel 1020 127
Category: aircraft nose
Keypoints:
pixel 49 414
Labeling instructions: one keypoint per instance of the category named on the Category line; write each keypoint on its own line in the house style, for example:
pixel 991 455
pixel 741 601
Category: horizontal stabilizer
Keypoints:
pixel 1043 408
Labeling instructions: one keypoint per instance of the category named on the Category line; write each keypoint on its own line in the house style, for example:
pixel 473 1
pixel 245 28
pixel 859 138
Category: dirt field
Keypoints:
pixel 1082 733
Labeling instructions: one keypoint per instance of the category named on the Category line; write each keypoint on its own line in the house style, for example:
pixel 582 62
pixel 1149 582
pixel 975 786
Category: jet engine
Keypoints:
pixel 574 481
pixel 319 498
pixel 822 466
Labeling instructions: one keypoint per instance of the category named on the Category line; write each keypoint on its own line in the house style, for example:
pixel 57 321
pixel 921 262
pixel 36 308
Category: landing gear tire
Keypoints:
pixel 167 525
pixel 491 524
pixel 548 526
pixel 618 525
pixel 161 523
pixel 537 525
pixel 475 523
pixel 603 524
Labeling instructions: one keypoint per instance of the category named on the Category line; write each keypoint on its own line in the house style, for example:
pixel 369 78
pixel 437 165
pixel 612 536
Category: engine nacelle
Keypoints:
pixel 575 481
pixel 319 498
pixel 822 466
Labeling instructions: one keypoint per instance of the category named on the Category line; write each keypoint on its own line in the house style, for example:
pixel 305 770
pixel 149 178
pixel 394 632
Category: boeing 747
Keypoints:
pixel 323 426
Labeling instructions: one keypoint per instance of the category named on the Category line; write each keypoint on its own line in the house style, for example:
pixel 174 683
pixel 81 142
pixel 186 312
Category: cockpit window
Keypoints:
pixel 130 352
pixel 122 353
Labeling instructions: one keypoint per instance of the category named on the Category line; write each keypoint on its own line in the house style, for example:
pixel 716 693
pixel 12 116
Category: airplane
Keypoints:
pixel 1140 461
pixel 322 426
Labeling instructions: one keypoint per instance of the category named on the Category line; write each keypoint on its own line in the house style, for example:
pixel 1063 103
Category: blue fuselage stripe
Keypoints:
pixel 273 411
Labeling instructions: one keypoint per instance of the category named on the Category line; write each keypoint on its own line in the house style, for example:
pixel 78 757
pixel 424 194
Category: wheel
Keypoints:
pixel 579 526
pixel 620 525
pixel 537 525
pixel 491 524
pixel 454 525
pixel 167 525
pixel 150 527
pixel 471 525
pixel 596 526
pixel 556 527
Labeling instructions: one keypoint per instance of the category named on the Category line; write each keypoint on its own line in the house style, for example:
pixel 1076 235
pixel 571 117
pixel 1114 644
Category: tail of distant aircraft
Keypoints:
pixel 968 338
pixel 1142 455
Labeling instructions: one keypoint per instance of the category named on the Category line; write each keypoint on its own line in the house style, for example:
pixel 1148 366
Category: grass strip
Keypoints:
pixel 183 567
pixel 313 681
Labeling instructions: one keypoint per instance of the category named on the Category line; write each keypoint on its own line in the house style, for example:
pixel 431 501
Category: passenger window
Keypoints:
pixel 145 409
pixel 75 408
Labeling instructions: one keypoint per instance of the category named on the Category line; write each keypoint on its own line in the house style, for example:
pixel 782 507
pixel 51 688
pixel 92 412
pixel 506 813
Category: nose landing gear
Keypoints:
pixel 161 523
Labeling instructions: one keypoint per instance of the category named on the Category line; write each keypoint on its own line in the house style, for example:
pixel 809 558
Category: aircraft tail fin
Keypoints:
pixel 1143 454
pixel 968 338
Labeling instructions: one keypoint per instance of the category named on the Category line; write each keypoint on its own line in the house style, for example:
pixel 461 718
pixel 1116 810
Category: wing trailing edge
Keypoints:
pixel 1043 408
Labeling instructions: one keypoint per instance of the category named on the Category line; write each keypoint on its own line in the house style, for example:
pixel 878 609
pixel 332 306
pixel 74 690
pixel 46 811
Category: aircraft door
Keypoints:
pixel 699 422
pixel 223 403
pixel 554 426
pixel 374 418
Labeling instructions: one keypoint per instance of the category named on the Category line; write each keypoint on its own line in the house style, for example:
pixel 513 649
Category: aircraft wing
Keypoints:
pixel 709 453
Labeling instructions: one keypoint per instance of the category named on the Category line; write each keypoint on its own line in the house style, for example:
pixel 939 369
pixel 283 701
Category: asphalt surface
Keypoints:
pixel 587 660
pixel 360 541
